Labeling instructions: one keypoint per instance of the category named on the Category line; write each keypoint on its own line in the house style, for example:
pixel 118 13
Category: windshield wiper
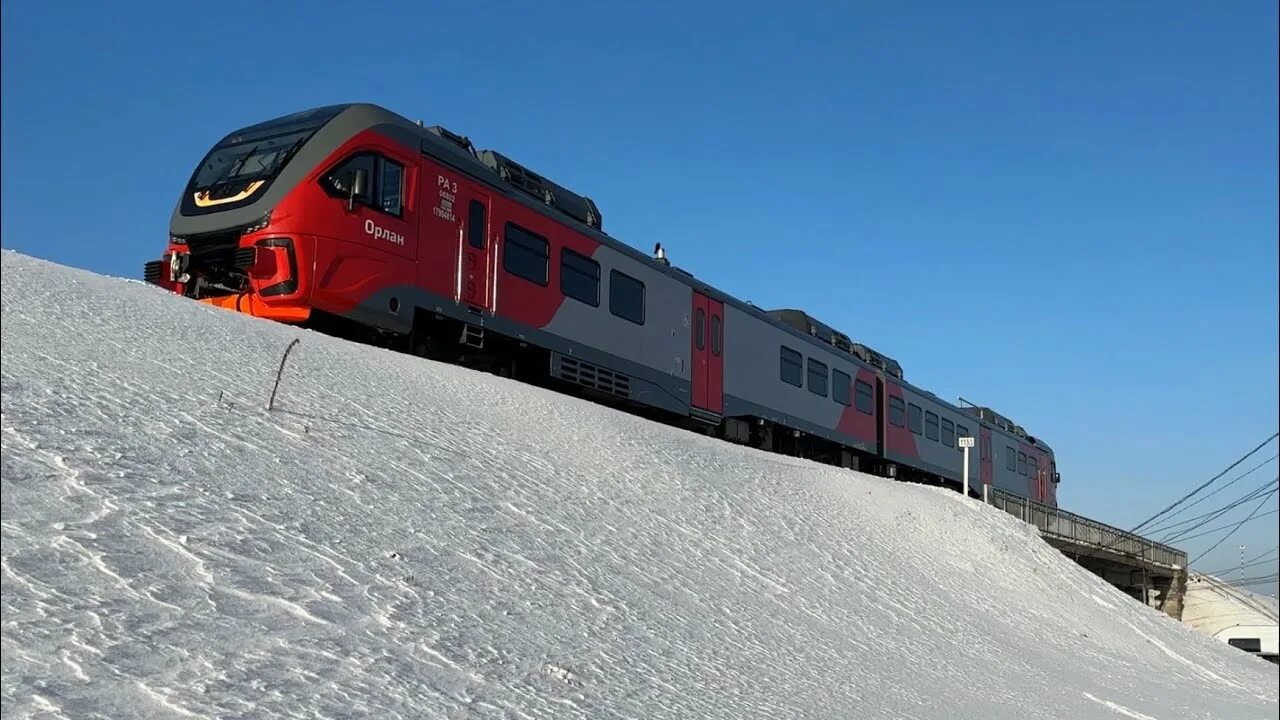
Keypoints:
pixel 233 169
pixel 240 162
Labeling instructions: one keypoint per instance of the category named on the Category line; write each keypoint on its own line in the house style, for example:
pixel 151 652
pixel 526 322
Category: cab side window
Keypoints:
pixel 343 177
pixel 384 184
pixel 391 187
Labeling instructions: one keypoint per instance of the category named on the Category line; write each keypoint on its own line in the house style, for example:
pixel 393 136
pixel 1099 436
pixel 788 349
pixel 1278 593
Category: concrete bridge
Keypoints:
pixel 1144 569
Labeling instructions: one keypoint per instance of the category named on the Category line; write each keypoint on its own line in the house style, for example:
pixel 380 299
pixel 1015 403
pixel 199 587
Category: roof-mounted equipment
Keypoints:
pixel 805 323
pixel 462 141
pixel 879 360
pixel 578 207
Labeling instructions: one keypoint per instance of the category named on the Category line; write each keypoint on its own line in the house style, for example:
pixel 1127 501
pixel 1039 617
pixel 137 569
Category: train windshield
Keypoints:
pixel 258 152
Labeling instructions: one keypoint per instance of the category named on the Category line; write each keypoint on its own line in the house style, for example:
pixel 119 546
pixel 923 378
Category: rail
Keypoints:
pixel 1082 531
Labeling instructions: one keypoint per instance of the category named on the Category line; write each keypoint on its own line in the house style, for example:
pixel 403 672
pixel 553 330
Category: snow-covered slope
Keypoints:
pixel 403 538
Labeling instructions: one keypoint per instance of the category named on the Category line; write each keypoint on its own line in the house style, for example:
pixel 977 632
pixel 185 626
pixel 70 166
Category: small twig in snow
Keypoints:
pixel 272 402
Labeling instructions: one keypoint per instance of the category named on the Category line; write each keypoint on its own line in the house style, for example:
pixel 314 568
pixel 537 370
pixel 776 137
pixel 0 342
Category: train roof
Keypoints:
pixel 806 323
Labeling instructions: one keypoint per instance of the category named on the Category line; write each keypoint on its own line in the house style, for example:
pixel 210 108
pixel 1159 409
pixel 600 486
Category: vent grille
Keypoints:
pixel 594 377
pixel 246 257
pixel 152 271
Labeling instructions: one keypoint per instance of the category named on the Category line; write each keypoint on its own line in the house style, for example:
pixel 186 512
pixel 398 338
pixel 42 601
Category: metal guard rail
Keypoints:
pixel 1082 530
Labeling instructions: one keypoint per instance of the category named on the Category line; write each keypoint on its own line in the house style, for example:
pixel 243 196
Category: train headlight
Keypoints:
pixel 259 224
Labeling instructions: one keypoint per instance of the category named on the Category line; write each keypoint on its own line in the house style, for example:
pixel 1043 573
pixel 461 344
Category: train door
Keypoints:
pixel 475 255
pixel 715 363
pixel 1041 467
pixel 984 455
pixel 707 351
pixel 882 416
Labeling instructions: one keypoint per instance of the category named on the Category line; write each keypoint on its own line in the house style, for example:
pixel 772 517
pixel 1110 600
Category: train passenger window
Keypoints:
pixel 792 367
pixel 864 400
pixel 840 387
pixel 897 412
pixel 931 425
pixel 626 297
pixel 961 431
pixel 948 433
pixel 915 418
pixel 817 378
pixel 476 226
pixel 390 186
pixel 717 341
pixel 525 254
pixel 1022 463
pixel 700 329
pixel 1253 645
pixel 579 277
pixel 1010 459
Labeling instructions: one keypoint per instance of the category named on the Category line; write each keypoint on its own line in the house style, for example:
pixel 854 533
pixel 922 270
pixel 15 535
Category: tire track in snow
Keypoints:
pixel 1122 710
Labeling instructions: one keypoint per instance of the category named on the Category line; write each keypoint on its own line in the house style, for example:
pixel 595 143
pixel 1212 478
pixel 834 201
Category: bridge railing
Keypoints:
pixel 1085 532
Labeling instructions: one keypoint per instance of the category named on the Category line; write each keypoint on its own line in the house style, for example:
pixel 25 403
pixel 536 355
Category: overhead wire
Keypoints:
pixel 1258 580
pixel 1237 479
pixel 1254 560
pixel 1262 502
pixel 1110 546
pixel 1202 520
pixel 1224 527
pixel 1204 485
pixel 1261 555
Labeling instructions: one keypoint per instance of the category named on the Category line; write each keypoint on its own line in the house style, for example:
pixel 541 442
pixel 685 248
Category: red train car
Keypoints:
pixel 356 221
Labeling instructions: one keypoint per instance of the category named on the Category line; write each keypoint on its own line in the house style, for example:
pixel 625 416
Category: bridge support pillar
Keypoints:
pixel 1172 591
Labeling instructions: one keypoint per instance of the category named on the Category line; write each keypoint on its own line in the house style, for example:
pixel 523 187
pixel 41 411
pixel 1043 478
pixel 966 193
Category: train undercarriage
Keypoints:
pixel 444 339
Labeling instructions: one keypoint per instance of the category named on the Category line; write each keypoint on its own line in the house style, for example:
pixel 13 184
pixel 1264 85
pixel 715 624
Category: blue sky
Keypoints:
pixel 1065 211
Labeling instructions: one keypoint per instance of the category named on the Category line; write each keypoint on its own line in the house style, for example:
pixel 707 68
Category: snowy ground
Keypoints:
pixel 409 539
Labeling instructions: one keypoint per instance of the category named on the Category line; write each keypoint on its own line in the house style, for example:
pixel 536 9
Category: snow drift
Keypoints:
pixel 402 538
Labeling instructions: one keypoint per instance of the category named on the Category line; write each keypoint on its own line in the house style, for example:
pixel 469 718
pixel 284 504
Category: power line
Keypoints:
pixel 1224 527
pixel 1256 580
pixel 1237 527
pixel 1215 514
pixel 1256 559
pixel 1237 479
pixel 1206 484
pixel 1252 494
pixel 1259 556
pixel 1249 563
pixel 1123 535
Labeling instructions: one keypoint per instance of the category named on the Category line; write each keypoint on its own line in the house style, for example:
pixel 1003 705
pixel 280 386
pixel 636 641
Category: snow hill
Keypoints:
pixel 407 539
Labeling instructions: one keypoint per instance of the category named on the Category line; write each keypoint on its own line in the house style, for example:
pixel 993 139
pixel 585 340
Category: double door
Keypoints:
pixel 707 376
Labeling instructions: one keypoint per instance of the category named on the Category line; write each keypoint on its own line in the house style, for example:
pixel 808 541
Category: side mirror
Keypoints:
pixel 1057 478
pixel 359 184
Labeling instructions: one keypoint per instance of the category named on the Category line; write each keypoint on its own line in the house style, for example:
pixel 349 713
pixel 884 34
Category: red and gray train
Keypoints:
pixel 356 221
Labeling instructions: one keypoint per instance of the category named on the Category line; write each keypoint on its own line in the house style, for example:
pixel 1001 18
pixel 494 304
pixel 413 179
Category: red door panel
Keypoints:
pixel 706 331
pixel 715 362
pixel 699 352
pixel 475 253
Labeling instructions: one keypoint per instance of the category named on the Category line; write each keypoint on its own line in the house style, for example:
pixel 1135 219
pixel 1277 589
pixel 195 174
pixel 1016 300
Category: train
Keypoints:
pixel 355 221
